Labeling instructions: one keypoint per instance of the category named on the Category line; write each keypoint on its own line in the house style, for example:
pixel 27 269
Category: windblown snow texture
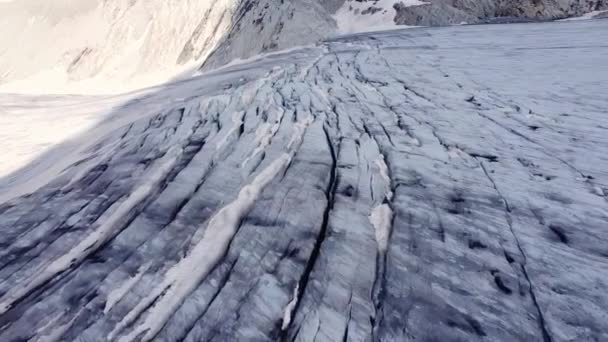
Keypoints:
pixel 419 185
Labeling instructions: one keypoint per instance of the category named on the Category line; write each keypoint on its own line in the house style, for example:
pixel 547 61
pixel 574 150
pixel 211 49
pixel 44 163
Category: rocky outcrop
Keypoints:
pixel 260 26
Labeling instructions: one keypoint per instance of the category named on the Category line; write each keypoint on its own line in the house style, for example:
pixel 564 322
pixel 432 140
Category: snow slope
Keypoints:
pixel 94 46
pixel 421 184
pixel 30 125
pixel 111 46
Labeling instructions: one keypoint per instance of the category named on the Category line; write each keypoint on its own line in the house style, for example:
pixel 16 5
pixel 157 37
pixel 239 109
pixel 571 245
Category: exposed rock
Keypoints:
pixel 270 25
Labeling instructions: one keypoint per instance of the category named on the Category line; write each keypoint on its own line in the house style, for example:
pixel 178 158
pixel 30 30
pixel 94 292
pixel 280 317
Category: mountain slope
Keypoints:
pixel 269 25
pixel 96 46
pixel 101 46
pixel 411 185
pixel 110 46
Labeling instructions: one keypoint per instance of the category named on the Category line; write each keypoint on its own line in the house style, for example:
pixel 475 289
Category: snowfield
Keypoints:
pixel 93 46
pixel 446 184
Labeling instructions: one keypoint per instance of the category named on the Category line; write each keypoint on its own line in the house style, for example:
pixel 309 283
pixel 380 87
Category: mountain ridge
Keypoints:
pixel 113 46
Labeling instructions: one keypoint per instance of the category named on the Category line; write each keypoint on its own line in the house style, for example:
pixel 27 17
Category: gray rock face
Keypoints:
pixel 269 25
pixel 448 12
pixel 416 185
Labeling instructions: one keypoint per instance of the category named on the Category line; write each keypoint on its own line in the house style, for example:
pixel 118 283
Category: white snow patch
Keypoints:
pixel 599 191
pixel 185 276
pixel 44 135
pixel 381 163
pixel 381 218
pixel 299 130
pixel 29 126
pixel 289 308
pixel 117 294
pixel 97 238
pixel 382 215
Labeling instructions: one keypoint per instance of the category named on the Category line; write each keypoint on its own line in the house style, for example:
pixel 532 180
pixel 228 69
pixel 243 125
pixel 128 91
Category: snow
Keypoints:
pixel 287 316
pixel 38 154
pixel 30 126
pixel 45 134
pixel 381 163
pixel 105 47
pixel 299 130
pixel 381 219
pixel 382 215
pixel 27 130
pixel 352 16
pixel 118 293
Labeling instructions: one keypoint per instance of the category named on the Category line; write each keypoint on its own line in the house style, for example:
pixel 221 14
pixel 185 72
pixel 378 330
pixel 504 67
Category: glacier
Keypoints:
pixel 425 184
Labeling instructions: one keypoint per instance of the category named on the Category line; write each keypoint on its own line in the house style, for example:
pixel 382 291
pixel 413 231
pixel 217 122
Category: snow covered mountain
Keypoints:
pixel 267 25
pixel 113 45
pixel 407 185
pixel 110 46
pixel 99 46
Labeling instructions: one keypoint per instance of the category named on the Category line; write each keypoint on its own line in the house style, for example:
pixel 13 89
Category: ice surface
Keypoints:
pixel 590 15
pixel 428 184
pixel 185 276
pixel 100 236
